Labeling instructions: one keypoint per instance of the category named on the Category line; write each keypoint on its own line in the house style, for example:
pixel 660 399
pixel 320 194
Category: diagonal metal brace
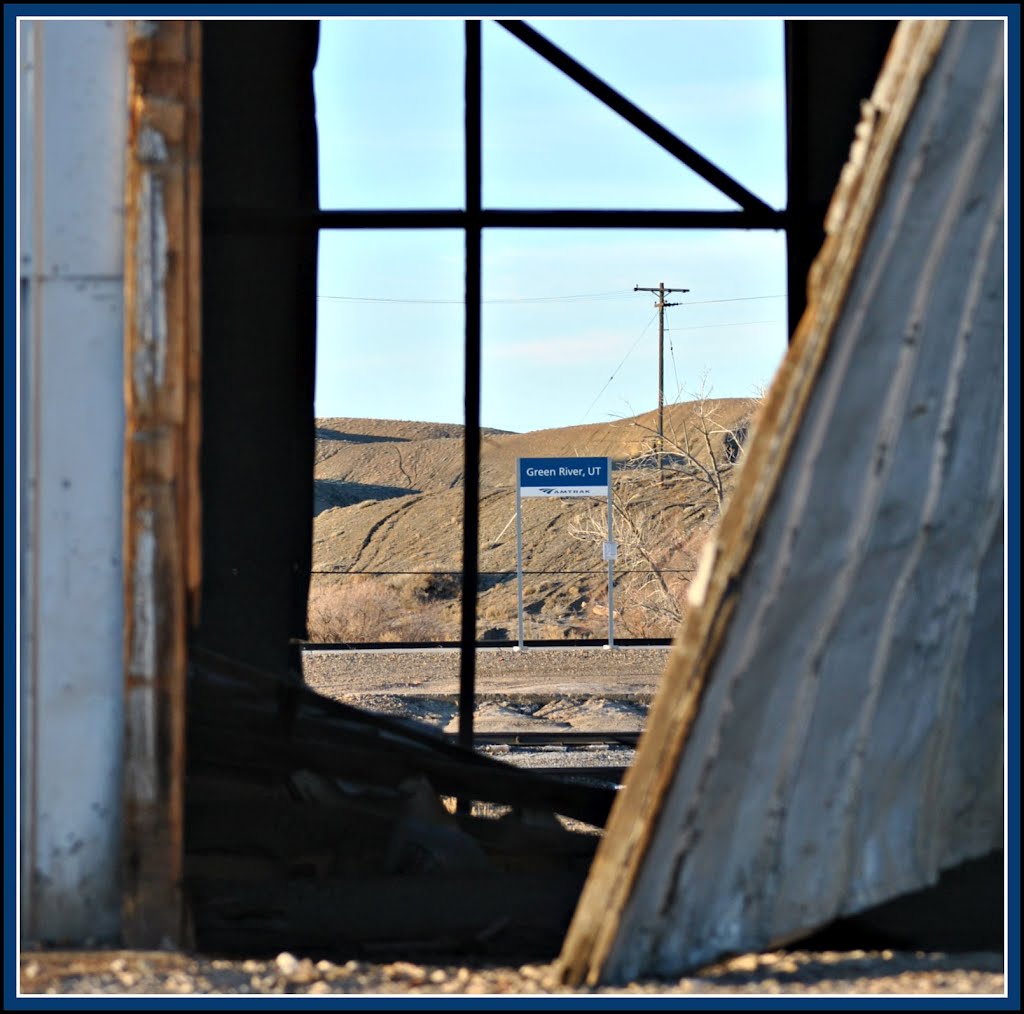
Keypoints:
pixel 636 116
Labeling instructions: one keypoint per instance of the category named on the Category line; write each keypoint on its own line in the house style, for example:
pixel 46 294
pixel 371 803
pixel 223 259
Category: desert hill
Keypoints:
pixel 387 541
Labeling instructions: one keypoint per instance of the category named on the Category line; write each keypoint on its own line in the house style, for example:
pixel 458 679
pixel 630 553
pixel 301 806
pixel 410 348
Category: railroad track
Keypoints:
pixel 534 745
pixel 606 773
pixel 552 738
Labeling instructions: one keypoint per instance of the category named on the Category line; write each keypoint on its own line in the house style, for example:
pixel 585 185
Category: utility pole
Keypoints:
pixel 661 304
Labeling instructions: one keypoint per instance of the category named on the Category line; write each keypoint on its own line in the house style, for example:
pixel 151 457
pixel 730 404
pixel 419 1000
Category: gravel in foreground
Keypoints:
pixel 847 973
pixel 565 680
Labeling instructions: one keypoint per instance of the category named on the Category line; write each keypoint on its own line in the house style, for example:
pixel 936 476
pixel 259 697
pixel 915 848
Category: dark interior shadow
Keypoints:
pixel 963 911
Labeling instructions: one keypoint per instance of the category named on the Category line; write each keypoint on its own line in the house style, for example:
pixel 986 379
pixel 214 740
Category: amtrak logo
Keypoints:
pixel 565 491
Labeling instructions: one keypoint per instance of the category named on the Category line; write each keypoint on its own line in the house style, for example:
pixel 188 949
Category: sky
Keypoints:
pixel 565 338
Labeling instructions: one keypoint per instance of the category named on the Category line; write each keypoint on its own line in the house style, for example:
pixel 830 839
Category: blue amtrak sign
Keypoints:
pixel 560 477
pixel 563 477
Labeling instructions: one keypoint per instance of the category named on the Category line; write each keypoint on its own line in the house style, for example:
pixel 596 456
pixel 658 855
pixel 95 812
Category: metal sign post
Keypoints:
pixel 519 559
pixel 564 477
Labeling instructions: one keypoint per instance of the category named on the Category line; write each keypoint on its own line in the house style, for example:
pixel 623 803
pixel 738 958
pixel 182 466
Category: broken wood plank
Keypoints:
pixel 246 718
pixel 828 733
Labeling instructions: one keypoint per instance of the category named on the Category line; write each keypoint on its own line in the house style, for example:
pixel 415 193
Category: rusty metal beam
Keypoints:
pixel 161 479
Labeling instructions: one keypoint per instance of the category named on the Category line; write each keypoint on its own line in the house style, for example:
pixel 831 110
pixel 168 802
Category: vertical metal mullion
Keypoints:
pixel 471 448
pixel 797 141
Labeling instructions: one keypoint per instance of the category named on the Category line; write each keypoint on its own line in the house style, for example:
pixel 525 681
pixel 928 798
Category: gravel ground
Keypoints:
pixel 586 689
pixel 779 972
pixel 534 690
pixel 530 674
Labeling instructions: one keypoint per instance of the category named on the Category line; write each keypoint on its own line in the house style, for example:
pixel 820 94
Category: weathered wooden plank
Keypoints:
pixel 161 538
pixel 379 762
pixel 808 754
pixel 242 717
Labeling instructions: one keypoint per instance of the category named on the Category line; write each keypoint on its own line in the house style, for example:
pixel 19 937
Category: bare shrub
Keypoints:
pixel 428 586
pixel 653 560
pixel 368 608
pixel 666 500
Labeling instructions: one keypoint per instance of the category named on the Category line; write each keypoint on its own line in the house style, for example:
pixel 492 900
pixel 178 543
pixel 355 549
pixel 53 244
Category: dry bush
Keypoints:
pixel 654 562
pixel 494 612
pixel 419 588
pixel 666 500
pixel 369 608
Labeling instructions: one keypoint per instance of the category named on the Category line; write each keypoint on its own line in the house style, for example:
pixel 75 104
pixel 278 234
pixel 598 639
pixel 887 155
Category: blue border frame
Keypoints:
pixel 11 505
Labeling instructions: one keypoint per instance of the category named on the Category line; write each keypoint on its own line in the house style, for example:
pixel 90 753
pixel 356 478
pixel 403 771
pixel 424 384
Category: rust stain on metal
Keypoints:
pixel 162 511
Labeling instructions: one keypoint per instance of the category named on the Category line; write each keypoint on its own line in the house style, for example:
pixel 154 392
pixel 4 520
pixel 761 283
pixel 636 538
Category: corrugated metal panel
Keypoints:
pixel 828 733
pixel 72 143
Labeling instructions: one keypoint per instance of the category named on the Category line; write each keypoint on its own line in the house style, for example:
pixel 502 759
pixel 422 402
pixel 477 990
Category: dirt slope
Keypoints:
pixel 388 508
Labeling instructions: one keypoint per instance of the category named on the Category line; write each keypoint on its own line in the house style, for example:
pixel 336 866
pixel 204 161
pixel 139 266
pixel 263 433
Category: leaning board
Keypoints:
pixel 828 733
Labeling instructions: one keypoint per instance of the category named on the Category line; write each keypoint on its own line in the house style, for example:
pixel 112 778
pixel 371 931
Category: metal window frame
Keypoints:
pixel 473 218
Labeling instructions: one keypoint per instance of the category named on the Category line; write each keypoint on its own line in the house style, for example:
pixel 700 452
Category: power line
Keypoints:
pixel 385 299
pixel 734 299
pixel 672 355
pixel 738 323
pixel 619 367
pixel 612 294
pixel 576 297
